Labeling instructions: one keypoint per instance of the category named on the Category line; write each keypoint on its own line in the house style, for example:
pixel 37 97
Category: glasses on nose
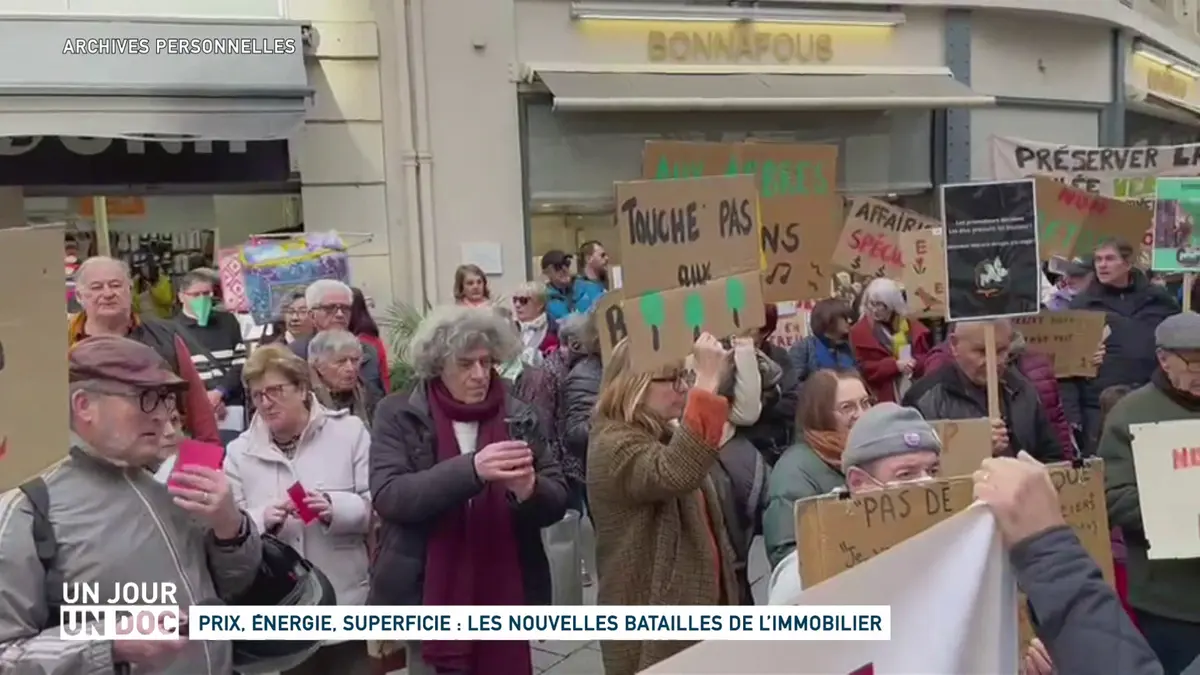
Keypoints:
pixel 197 294
pixel 272 394
pixel 520 301
pixel 680 383
pixel 334 309
pixel 148 400
pixel 851 407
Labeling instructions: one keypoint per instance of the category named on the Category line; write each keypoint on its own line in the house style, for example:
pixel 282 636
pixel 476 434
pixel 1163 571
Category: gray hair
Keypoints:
pixel 578 330
pixel 534 290
pixel 98 261
pixel 200 275
pixel 320 288
pixel 330 343
pixel 885 292
pixel 450 331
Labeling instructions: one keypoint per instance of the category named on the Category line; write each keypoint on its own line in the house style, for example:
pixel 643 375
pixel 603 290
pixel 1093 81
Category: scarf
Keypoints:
pixel 76 327
pixel 1181 398
pixel 831 358
pixel 829 445
pixel 900 338
pixel 533 333
pixel 472 557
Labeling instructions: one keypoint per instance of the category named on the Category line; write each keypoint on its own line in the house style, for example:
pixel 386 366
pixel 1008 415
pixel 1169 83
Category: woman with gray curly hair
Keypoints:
pixel 463 481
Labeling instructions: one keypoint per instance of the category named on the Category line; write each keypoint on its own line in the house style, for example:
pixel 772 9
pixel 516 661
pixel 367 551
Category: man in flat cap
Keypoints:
pixel 100 516
pixel 1165 594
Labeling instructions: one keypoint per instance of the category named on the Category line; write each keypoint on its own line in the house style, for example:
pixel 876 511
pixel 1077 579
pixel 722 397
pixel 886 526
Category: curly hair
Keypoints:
pixel 451 331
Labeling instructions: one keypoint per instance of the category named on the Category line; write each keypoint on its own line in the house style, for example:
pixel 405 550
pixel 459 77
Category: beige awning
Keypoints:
pixel 598 91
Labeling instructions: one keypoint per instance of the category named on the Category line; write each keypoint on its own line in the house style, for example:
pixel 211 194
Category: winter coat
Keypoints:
pixel 878 366
pixel 579 398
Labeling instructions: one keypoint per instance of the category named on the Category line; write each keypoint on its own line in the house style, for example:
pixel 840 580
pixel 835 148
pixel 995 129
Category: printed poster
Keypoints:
pixel 992 264
pixel 691 263
pixel 924 277
pixel 1176 239
pixel 869 244
pixel 1071 222
pixel 33 354
pixel 1167 461
pixel 801 211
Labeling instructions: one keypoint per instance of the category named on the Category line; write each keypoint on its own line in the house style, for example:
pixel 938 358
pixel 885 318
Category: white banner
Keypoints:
pixel 957 585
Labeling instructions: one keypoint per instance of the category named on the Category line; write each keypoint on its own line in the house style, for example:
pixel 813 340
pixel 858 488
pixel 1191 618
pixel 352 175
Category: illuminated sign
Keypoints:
pixel 1163 81
pixel 739 45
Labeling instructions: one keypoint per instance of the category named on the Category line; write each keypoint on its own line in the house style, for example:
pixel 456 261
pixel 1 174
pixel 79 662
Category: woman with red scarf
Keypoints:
pixel 463 483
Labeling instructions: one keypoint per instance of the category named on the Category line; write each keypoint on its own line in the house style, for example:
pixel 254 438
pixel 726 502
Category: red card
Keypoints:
pixel 197 453
pixel 303 510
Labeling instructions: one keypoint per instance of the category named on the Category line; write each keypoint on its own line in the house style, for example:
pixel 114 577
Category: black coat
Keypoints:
pixel 579 400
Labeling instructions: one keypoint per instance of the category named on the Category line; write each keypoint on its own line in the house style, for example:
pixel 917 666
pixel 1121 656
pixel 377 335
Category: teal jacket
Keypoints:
pixel 798 474
pixel 580 297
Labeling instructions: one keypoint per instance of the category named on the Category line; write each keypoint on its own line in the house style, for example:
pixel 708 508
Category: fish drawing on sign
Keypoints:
pixel 990 277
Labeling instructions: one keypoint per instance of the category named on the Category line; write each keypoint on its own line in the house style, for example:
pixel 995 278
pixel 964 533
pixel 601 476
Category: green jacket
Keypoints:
pixel 1166 588
pixel 798 474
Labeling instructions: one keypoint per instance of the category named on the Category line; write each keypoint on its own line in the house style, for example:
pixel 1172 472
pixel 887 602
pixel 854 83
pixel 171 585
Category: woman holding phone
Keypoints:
pixel 300 471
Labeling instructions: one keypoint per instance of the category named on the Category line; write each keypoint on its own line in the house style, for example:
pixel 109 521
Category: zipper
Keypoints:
pixel 174 558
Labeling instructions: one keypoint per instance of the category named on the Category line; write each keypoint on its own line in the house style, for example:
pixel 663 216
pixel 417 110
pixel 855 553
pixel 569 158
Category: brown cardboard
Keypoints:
pixel 1070 338
pixel 924 273
pixel 610 322
pixel 1071 222
pixel 790 329
pixel 836 533
pixel 798 201
pixel 869 244
pixel 689 252
pixel 33 353
pixel 965 444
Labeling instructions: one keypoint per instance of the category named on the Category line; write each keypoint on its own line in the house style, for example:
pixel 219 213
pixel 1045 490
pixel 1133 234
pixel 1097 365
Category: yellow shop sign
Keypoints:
pixel 1164 82
pixel 739 45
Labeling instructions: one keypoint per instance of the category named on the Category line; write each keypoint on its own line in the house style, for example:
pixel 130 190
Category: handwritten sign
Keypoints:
pixel 835 533
pixel 610 320
pixel 33 379
pixel 1166 456
pixel 690 261
pixel 869 244
pixel 924 274
pixel 790 329
pixel 1069 338
pixel 801 212
pixel 1072 221
pixel 965 444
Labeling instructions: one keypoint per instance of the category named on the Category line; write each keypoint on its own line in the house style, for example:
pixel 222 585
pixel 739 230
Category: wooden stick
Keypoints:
pixel 1189 278
pixel 100 220
pixel 993 375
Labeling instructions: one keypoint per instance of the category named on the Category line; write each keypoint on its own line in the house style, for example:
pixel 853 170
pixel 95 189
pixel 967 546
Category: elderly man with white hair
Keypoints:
pixel 890 348
pixel 329 303
pixel 335 357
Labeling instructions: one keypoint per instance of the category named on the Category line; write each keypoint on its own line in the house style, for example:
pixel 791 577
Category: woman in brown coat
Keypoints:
pixel 660 535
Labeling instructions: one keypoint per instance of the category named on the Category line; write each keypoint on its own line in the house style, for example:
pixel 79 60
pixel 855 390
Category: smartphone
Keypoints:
pixel 520 428
pixel 303 510
pixel 197 453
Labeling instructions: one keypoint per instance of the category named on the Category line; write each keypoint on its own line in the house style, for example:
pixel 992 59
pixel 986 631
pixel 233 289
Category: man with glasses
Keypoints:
pixel 329 303
pixel 99 516
pixel 1165 594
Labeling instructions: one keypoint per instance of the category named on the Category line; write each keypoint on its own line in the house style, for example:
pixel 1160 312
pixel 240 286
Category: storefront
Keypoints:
pixel 1162 98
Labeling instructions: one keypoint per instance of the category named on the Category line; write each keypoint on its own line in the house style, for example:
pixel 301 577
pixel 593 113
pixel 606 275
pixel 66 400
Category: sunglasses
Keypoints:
pixel 520 300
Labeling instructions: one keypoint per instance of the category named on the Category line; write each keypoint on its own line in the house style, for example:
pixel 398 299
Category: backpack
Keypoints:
pixel 46 546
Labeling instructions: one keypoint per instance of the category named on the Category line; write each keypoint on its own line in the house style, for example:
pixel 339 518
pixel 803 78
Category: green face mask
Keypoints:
pixel 201 307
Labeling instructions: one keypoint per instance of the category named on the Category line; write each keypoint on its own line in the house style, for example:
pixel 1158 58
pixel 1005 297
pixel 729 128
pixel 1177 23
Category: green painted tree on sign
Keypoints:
pixel 735 297
pixel 655 314
pixel 693 313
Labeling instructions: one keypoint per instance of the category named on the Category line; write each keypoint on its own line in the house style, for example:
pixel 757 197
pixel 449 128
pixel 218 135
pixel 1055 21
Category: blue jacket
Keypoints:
pixel 582 294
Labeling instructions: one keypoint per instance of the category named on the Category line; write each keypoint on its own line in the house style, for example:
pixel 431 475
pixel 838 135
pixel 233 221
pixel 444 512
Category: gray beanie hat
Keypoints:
pixel 886 430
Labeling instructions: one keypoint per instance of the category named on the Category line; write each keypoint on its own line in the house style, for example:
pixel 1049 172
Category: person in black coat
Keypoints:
pixel 578 333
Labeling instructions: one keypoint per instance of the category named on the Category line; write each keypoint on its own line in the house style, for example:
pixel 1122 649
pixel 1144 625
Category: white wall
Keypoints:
pixel 1076 127
pixel 1036 56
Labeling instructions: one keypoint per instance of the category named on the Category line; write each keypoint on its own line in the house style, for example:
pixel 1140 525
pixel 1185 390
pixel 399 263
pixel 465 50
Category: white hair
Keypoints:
pixel 319 289
pixel 534 290
pixel 451 331
pixel 330 343
pixel 885 292
pixel 98 261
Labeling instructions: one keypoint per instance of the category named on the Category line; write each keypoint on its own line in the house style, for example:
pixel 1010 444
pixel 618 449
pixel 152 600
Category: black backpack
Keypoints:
pixel 46 546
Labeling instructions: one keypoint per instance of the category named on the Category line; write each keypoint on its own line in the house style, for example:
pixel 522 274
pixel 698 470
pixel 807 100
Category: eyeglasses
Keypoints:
pixel 198 294
pixel 517 300
pixel 333 309
pixel 148 400
pixel 851 407
pixel 272 393
pixel 296 312
pixel 680 382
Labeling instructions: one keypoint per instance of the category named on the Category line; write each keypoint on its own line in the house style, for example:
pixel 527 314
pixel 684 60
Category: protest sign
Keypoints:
pixel 1166 457
pixel 965 444
pixel 790 329
pixel 610 322
pixel 33 353
pixel 690 257
pixel 801 212
pixel 924 275
pixel 869 244
pixel 1072 222
pixel 1070 338
pixel 992 263
pixel 1175 243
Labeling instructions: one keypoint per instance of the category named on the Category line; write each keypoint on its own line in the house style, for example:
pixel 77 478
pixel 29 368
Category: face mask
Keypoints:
pixel 201 308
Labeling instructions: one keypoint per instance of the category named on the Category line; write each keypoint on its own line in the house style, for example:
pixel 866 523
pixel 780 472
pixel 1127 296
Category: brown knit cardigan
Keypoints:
pixel 654 545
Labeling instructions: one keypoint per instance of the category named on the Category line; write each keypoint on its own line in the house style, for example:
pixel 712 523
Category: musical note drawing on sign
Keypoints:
pixel 780 274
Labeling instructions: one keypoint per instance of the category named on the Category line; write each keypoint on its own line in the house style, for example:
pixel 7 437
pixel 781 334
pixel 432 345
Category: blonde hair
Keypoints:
pixel 623 392
pixel 279 359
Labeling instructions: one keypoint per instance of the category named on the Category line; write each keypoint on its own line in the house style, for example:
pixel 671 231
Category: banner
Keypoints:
pixel 869 244
pixel 1167 463
pixel 956 586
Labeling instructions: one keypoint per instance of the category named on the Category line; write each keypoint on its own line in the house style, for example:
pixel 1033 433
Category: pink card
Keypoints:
pixel 198 453
pixel 303 510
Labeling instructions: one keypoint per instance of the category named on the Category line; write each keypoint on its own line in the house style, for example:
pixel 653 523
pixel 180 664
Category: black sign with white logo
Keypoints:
pixel 991 249
pixel 76 161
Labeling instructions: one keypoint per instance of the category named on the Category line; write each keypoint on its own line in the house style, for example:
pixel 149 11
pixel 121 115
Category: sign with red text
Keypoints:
pixel 1072 222
pixel 790 329
pixel 870 241
pixel 924 275
pixel 1166 456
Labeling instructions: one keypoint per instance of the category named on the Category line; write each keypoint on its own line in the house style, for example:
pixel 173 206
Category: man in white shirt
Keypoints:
pixel 888 445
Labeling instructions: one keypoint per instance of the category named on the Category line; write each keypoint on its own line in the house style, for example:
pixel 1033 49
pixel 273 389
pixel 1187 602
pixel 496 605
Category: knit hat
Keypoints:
pixel 887 430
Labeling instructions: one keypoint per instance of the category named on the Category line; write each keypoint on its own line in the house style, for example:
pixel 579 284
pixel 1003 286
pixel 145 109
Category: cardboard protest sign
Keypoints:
pixel 689 251
pixel 835 533
pixel 1176 239
pixel 610 322
pixel 965 444
pixel 801 212
pixel 1070 338
pixel 790 329
pixel 992 264
pixel 1166 456
pixel 869 244
pixel 924 273
pixel 33 353
pixel 1073 222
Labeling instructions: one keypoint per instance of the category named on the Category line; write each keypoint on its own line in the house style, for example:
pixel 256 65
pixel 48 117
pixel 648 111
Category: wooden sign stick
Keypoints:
pixel 1189 278
pixel 993 375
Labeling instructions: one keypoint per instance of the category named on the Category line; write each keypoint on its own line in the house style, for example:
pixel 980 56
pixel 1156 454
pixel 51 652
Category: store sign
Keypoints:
pixel 1165 83
pixel 739 45
pixel 74 161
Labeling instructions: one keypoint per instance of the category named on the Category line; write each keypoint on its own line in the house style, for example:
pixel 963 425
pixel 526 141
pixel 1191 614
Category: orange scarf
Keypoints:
pixel 76 332
pixel 828 445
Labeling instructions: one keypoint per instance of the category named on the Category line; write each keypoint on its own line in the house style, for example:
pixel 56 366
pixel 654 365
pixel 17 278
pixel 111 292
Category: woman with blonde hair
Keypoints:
pixel 890 347
pixel 660 535
pixel 471 287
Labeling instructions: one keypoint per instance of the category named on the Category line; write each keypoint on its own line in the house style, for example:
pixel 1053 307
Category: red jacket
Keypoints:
pixel 1038 369
pixel 875 360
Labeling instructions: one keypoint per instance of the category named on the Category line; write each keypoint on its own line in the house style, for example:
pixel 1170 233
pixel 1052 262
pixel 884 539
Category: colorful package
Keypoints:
pixel 276 269
pixel 233 280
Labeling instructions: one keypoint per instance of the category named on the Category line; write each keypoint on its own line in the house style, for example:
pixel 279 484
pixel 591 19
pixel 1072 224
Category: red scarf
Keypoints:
pixel 472 557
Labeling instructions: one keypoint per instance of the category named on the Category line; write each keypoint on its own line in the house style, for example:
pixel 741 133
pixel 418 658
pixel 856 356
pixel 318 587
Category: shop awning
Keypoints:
pixel 599 91
pixel 1162 107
